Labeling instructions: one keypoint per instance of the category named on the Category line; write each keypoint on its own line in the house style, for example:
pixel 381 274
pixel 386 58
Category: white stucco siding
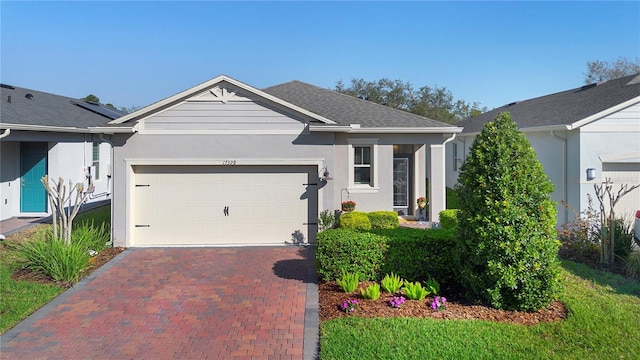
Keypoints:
pixel 604 146
pixel 552 155
pixel 9 179
pixel 68 157
pixel 462 144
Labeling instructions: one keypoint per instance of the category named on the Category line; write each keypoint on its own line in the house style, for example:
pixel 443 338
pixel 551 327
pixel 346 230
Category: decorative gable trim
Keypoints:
pixel 215 88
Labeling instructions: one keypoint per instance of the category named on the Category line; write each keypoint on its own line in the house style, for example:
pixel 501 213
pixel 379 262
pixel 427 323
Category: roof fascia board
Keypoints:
pixel 111 129
pixel 148 110
pixel 24 127
pixel 603 113
pixel 530 129
pixel 386 130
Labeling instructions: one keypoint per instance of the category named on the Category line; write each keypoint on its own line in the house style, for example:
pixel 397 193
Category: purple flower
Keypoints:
pixel 349 305
pixel 396 301
pixel 438 303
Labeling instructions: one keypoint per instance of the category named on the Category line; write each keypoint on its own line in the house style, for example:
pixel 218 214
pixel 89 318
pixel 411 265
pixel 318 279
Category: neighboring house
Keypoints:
pixel 46 134
pixel 224 163
pixel 581 136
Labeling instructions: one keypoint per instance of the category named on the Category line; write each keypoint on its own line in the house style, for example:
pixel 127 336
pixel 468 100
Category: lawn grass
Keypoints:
pixel 19 299
pixel 603 323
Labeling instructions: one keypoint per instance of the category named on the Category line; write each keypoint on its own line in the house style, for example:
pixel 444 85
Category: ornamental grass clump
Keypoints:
pixel 371 292
pixel 391 283
pixel 507 244
pixel 349 281
pixel 414 291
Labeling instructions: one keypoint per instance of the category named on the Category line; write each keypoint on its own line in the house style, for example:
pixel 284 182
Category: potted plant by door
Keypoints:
pixel 422 212
pixel 348 206
pixel 422 202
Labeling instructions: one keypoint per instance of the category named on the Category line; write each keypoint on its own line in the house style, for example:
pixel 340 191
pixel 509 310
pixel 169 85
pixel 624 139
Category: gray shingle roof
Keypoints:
pixel 32 107
pixel 563 108
pixel 346 109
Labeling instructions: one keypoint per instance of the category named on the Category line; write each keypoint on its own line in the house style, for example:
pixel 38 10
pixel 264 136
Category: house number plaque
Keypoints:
pixel 228 162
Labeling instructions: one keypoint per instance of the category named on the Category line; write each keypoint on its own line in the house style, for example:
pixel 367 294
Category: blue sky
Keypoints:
pixel 136 53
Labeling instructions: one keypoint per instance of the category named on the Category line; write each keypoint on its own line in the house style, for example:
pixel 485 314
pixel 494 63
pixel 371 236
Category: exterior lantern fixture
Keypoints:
pixel 591 174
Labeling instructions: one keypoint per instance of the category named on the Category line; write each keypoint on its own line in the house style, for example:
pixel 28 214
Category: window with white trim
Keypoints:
pixel 362 165
pixel 454 146
pixel 363 158
pixel 96 161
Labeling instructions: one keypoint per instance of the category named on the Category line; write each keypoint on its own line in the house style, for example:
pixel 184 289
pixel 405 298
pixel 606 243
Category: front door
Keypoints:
pixel 401 185
pixel 33 166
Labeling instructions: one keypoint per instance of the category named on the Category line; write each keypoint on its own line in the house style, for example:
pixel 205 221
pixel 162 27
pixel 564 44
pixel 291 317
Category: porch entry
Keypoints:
pixel 33 166
pixel 403 179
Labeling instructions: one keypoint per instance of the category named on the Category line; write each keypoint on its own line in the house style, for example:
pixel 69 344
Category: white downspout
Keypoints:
pixel 5 133
pixel 564 173
pixel 101 136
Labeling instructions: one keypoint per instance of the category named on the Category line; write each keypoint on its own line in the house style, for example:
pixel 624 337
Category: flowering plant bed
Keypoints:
pixel 331 297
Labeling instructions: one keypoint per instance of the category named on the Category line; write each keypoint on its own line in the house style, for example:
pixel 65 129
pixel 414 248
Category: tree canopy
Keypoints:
pixel 94 99
pixel 600 70
pixel 436 103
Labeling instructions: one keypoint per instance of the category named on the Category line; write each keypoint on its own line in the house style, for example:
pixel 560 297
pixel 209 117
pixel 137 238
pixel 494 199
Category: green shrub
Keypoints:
pixel 349 281
pixel 91 237
pixel 327 220
pixel 507 242
pixel 449 219
pixel 392 283
pixel 355 220
pixel 383 219
pixel 433 286
pixel 418 254
pixel 371 292
pixel 54 258
pixel 632 264
pixel 351 251
pixel 414 291
pixel 623 233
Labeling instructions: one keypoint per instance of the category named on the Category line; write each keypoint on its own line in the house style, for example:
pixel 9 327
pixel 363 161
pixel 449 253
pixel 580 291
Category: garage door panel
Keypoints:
pixel 624 174
pixel 184 205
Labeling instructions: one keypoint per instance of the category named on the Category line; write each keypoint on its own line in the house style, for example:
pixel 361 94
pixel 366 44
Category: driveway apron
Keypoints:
pixel 181 303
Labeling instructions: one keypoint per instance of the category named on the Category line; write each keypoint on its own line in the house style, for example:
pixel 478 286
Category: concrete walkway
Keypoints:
pixel 181 303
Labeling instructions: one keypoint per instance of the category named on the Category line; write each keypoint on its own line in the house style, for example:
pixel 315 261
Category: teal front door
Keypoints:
pixel 33 166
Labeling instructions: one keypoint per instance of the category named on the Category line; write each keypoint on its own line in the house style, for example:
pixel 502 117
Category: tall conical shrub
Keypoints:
pixel 507 242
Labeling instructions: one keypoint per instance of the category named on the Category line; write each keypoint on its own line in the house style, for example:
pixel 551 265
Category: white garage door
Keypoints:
pixel 224 205
pixel 624 173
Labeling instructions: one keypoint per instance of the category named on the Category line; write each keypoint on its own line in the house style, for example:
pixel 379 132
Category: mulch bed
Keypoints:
pixel 331 296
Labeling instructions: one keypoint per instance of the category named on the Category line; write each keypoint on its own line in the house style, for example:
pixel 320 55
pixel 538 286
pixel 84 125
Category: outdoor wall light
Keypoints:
pixel 325 174
pixel 591 174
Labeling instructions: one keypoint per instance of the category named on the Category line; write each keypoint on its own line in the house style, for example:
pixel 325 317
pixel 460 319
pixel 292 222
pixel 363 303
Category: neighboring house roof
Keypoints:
pixel 346 109
pixel 26 109
pixel 569 109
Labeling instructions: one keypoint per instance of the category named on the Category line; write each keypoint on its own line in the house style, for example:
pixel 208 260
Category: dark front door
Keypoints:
pixel 401 185
pixel 33 166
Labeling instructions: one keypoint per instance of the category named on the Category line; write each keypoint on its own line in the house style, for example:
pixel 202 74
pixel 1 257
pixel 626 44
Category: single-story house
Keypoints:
pixel 581 136
pixel 46 134
pixel 224 163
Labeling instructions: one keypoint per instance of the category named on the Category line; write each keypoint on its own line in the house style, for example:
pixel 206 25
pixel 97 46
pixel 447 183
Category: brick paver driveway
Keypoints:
pixel 181 303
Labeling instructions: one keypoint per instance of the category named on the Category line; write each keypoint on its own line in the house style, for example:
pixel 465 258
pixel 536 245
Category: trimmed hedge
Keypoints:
pixel 383 219
pixel 355 220
pixel 418 254
pixel 449 219
pixel 351 251
pixel 413 254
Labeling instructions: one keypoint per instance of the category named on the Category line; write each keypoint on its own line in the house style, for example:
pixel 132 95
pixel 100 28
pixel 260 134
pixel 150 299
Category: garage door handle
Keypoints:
pixel 225 211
